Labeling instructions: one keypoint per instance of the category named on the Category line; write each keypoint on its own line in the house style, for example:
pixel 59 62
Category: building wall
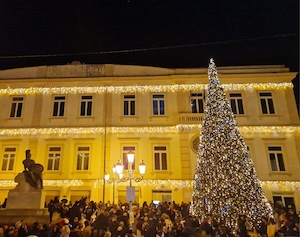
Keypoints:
pixel 107 130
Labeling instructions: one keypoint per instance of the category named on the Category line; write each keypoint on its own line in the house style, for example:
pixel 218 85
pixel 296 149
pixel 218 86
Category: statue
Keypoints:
pixel 33 172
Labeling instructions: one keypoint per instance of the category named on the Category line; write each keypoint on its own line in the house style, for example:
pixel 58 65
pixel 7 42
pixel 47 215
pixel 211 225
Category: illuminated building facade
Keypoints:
pixel 78 120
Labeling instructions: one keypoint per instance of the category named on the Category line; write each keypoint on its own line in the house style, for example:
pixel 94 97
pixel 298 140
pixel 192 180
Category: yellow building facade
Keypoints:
pixel 78 120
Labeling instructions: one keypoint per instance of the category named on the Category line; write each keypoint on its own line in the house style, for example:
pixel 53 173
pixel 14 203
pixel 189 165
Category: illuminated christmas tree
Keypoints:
pixel 225 183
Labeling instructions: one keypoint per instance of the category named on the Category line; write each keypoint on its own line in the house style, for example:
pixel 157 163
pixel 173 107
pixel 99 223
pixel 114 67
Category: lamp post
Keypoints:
pixel 118 172
pixel 113 181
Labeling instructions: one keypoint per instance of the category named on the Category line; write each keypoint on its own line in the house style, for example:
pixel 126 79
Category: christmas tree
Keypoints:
pixel 225 183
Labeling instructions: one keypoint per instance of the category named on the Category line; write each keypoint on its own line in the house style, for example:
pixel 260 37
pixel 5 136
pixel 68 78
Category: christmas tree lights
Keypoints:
pixel 225 183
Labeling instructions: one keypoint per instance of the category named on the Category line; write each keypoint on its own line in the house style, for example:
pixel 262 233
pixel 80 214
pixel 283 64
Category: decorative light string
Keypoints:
pixel 155 183
pixel 139 88
pixel 180 128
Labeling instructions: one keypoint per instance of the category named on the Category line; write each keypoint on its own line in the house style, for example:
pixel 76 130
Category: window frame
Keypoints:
pixel 8 164
pixel 82 161
pixel 237 97
pixel 200 97
pixel 158 100
pixel 54 158
pixel 268 99
pixel 160 152
pixel 131 102
pixel 58 110
pixel 88 110
pixel 276 158
pixel 16 107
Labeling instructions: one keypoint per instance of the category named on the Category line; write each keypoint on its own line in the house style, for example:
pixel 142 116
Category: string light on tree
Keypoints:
pixel 225 182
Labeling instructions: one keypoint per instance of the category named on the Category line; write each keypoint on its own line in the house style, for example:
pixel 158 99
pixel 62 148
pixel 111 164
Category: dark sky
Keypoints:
pixel 150 32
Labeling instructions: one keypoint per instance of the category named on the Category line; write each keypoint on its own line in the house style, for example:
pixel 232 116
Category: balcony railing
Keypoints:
pixel 190 118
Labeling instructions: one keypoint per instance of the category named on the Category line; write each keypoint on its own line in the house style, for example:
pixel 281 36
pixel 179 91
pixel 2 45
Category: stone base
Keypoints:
pixel 11 216
pixel 24 200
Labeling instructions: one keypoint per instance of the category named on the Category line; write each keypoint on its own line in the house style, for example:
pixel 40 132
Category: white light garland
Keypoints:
pixel 140 89
pixel 139 130
pixel 157 184
pixel 281 185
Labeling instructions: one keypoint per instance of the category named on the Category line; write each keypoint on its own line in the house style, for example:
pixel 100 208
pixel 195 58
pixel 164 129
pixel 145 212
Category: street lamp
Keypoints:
pixel 119 177
pixel 113 180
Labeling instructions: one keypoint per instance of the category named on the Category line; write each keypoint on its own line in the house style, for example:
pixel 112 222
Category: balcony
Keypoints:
pixel 190 118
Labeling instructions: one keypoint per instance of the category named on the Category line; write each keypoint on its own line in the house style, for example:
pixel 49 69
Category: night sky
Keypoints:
pixel 150 32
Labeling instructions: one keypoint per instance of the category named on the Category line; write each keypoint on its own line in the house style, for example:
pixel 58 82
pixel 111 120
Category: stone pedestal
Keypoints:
pixel 24 203
pixel 24 200
pixel 11 216
pixel 23 196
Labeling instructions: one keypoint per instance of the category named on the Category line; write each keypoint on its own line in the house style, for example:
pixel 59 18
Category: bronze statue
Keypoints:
pixel 33 171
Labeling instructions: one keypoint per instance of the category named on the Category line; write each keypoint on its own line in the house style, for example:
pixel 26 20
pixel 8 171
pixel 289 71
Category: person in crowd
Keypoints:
pixel 223 231
pixel 65 231
pixel 271 228
pixel 101 222
pixel 242 230
pixel 51 209
pixel 5 230
pixel 87 230
pixel 107 234
pixel 12 231
pixel 139 229
pixel 56 230
pixel 23 230
pixel 206 229
pixel 113 225
pixel 34 230
pixel 75 223
pixel 263 227
pixel 1 231
pixel 165 219
pixel 46 231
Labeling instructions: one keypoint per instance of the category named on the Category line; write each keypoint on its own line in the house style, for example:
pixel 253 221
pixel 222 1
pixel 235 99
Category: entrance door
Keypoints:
pixel 76 195
pixel 162 195
pixel 122 196
pixel 50 195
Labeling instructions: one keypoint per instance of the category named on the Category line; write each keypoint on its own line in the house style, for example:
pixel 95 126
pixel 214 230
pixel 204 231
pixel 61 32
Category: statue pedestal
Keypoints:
pixel 11 216
pixel 24 203
pixel 24 200
pixel 23 196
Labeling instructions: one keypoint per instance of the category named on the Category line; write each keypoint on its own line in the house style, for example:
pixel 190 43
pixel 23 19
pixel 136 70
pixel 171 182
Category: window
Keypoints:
pixel 83 157
pixel 284 200
pixel 158 104
pixel 8 160
pixel 129 105
pixel 160 158
pixel 266 102
pixel 126 150
pixel 276 158
pixel 197 102
pixel 54 156
pixel 86 105
pixel 236 103
pixel 16 107
pixel 59 106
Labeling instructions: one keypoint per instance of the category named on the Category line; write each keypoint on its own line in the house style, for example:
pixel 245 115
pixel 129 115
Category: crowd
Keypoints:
pixel 90 219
